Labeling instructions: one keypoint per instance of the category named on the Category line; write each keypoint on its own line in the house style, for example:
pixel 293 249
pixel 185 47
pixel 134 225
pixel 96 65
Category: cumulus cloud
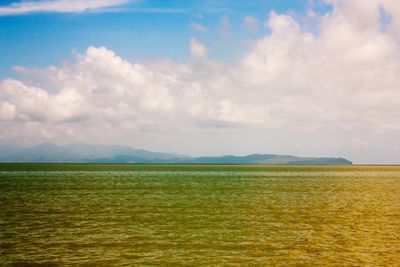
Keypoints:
pixel 197 49
pixel 62 6
pixel 292 88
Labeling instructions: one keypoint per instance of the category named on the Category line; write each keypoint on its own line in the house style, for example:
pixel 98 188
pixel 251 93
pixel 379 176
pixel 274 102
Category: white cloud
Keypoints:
pixel 281 23
pixel 7 111
pixel 62 6
pixel 197 49
pixel 198 27
pixel 331 93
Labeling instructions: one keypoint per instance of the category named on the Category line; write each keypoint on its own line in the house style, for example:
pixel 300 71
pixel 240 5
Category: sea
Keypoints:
pixel 199 215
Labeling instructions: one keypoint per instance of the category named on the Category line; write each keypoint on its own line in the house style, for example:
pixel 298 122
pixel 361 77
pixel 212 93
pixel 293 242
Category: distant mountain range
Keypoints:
pixel 84 153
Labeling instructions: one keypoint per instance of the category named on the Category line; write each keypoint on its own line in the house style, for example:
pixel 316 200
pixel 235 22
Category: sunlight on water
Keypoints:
pixel 194 217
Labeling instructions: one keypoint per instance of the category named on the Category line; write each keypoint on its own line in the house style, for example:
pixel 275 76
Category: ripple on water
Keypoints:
pixel 200 218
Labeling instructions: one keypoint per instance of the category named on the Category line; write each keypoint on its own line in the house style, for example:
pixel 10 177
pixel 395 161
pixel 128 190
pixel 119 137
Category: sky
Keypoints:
pixel 299 77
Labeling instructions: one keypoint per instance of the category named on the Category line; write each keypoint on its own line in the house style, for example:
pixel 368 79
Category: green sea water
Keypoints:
pixel 199 215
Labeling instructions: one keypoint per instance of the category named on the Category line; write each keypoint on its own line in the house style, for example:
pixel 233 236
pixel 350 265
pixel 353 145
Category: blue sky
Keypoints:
pixel 299 77
pixel 135 30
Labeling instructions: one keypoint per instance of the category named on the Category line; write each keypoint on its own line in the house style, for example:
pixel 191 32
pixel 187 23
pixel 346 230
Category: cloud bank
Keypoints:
pixel 336 91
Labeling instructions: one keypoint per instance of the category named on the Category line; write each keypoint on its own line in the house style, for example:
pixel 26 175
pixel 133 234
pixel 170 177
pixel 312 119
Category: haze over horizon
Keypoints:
pixel 305 78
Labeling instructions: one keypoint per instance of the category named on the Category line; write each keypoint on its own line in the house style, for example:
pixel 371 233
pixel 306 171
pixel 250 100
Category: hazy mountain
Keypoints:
pixel 77 153
pixel 84 153
pixel 267 159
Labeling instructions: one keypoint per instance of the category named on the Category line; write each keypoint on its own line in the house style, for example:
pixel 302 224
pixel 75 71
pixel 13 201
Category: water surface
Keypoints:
pixel 121 215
